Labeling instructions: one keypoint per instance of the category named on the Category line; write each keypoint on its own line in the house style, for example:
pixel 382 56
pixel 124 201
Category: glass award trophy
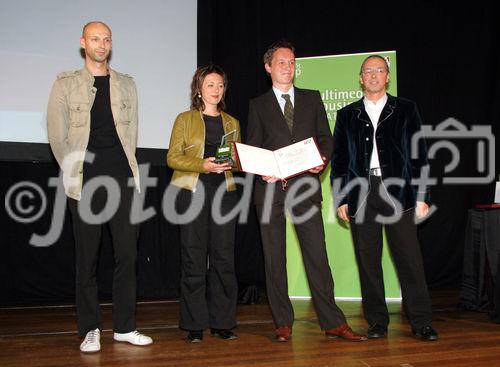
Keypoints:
pixel 224 152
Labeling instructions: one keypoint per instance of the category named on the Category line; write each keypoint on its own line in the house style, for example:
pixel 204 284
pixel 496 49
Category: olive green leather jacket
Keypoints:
pixel 187 147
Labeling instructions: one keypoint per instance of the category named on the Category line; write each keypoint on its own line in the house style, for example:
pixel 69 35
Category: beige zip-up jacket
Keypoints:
pixel 68 122
pixel 187 148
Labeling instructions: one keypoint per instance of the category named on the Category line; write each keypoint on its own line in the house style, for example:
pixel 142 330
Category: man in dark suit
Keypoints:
pixel 375 180
pixel 282 116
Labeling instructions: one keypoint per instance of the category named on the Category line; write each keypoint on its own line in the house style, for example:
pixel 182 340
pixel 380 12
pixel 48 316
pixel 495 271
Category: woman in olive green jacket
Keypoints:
pixel 208 281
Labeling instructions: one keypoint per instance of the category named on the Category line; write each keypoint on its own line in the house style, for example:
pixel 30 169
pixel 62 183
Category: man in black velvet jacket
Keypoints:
pixel 376 184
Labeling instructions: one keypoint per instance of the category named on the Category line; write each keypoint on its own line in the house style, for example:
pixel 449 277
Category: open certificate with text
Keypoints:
pixel 282 163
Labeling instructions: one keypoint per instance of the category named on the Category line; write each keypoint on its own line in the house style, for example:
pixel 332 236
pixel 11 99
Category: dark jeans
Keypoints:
pixel 87 242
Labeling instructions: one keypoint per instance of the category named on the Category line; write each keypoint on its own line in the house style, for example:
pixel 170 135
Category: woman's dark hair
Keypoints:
pixel 198 78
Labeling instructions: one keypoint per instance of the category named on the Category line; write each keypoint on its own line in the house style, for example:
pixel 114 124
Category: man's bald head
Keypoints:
pixel 93 24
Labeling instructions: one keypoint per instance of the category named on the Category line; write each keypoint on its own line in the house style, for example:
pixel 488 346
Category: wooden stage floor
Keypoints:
pixel 46 336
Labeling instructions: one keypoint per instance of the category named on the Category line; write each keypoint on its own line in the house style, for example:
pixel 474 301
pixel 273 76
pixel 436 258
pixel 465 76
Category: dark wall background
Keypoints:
pixel 448 62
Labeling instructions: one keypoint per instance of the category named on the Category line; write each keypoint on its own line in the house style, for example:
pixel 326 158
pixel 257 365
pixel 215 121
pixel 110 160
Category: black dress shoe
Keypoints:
pixel 376 331
pixel 426 333
pixel 223 334
pixel 195 336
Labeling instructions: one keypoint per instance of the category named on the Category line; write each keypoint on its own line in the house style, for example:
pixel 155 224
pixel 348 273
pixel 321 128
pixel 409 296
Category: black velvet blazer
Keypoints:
pixel 352 149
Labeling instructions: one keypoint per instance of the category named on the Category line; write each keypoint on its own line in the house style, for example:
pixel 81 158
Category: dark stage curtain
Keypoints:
pixel 46 275
pixel 448 62
pixel 31 275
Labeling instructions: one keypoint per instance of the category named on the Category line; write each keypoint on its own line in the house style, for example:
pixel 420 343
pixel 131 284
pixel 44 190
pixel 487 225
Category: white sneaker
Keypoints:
pixel 92 342
pixel 134 337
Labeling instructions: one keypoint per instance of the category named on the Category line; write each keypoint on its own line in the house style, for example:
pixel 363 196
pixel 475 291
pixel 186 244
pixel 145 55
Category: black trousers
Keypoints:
pixel 209 289
pixel 405 251
pixel 311 236
pixel 87 242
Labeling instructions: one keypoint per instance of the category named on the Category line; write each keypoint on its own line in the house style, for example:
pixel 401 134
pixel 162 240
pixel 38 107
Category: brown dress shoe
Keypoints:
pixel 283 334
pixel 345 332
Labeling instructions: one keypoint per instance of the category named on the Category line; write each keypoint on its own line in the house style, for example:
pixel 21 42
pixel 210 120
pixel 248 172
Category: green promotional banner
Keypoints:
pixel 337 79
